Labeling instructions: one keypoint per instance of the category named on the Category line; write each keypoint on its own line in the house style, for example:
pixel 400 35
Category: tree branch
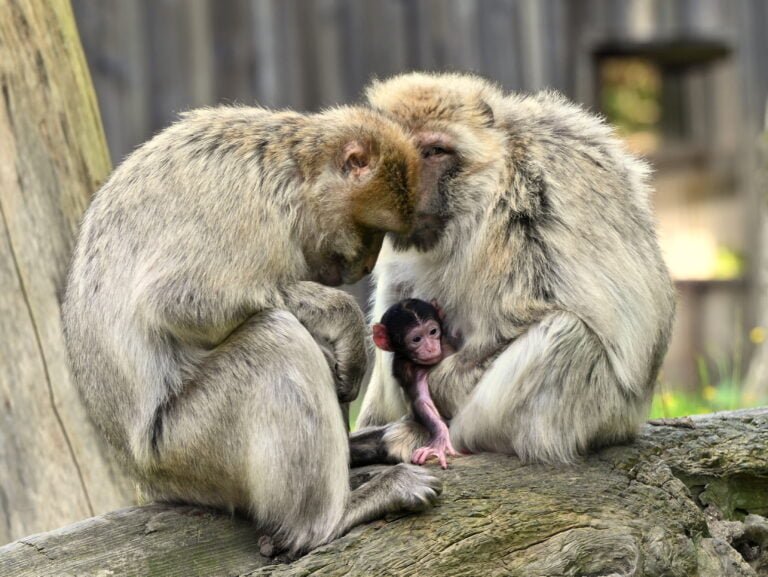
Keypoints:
pixel 678 501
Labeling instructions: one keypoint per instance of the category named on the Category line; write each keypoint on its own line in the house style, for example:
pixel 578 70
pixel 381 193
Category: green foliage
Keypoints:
pixel 724 397
pixel 719 389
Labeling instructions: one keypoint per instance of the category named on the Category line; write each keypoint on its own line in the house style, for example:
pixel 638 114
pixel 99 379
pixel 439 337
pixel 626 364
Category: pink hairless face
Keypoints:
pixel 423 343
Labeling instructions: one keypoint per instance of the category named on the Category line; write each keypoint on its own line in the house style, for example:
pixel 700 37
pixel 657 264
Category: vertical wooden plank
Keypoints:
pixel 265 81
pixel 387 41
pixel 325 52
pixel 114 38
pixel 354 47
pixel 499 31
pixel 442 23
pixel 533 34
pixel 232 35
pixel 54 467
pixel 429 18
pixel 181 58
pixel 587 23
pixel 291 67
pixel 306 57
pixel 555 36
pixel 462 35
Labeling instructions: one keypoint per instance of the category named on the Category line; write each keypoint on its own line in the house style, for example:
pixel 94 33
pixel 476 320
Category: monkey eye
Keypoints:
pixel 433 151
pixel 433 332
pixel 416 339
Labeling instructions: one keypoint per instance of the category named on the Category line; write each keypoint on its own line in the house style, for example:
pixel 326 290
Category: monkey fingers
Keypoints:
pixel 439 448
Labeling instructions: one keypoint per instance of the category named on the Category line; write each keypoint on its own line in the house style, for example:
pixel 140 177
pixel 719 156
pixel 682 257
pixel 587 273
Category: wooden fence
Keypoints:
pixel 151 59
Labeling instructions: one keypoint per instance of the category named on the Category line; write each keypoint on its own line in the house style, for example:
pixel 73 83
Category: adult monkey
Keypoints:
pixel 548 266
pixel 204 350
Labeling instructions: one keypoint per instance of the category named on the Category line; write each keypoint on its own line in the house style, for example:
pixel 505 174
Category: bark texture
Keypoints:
pixel 53 467
pixel 685 499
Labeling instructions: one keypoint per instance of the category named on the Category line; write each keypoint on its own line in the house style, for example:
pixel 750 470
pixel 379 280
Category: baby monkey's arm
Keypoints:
pixel 424 408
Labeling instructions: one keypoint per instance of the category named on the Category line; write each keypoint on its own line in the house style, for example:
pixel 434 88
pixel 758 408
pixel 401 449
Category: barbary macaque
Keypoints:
pixel 413 331
pixel 202 338
pixel 547 264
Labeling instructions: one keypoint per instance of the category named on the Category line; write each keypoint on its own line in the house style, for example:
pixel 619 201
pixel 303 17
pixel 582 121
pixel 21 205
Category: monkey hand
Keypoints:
pixel 337 324
pixel 440 447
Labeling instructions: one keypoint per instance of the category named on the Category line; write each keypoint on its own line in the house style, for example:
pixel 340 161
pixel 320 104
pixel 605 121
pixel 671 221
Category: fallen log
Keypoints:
pixel 686 499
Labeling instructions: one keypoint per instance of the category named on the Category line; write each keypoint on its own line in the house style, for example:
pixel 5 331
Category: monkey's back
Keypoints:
pixel 598 230
pixel 196 210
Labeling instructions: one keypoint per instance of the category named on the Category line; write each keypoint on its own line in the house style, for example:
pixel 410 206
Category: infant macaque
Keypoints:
pixel 413 330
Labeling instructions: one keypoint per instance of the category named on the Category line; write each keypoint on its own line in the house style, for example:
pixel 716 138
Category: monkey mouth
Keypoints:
pixel 431 360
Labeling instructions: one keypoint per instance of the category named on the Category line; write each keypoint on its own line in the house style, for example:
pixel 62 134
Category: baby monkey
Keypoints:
pixel 413 330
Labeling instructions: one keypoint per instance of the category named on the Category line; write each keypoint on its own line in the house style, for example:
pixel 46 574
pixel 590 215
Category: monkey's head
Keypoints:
pixel 411 329
pixel 450 119
pixel 363 177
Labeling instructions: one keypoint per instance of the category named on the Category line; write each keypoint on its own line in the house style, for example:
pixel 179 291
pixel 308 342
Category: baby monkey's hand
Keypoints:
pixel 440 447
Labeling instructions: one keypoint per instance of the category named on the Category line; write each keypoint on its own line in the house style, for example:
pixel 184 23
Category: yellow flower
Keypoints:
pixel 669 400
pixel 709 392
pixel 757 335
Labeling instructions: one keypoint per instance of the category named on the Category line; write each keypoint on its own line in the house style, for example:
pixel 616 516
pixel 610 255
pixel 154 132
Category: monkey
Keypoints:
pixel 413 331
pixel 548 264
pixel 204 333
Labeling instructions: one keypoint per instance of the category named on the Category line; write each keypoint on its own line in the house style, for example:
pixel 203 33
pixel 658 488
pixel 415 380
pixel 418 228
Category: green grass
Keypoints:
pixel 724 397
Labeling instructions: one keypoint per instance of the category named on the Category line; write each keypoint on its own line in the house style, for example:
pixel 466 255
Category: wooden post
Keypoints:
pixel 54 468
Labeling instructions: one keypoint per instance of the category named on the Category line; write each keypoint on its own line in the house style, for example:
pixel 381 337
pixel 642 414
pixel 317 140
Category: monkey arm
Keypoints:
pixel 335 320
pixel 455 377
pixel 204 316
pixel 425 411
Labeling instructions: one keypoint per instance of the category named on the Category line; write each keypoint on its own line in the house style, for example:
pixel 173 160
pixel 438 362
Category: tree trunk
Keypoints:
pixel 684 500
pixel 53 466
pixel 757 378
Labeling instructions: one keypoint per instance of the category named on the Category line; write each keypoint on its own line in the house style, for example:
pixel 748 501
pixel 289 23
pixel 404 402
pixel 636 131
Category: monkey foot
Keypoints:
pixel 439 448
pixel 266 546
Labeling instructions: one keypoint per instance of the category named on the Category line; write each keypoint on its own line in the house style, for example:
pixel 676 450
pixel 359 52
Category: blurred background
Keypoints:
pixel 683 81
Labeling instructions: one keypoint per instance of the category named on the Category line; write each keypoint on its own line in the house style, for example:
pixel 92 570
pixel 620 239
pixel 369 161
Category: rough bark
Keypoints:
pixel 53 468
pixel 679 501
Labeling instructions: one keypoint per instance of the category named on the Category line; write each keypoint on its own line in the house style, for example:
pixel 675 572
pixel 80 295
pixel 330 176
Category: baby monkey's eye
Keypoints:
pixel 416 339
pixel 433 332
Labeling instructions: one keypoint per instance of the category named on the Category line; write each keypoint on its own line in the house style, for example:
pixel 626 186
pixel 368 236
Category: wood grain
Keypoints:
pixel 53 467
pixel 679 501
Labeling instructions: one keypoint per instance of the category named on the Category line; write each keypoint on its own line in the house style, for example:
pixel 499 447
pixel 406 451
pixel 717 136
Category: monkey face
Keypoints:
pixel 333 268
pixel 370 242
pixel 368 183
pixel 411 329
pixel 452 125
pixel 391 189
pixel 423 343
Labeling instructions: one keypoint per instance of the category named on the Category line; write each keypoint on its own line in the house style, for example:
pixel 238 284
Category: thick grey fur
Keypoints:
pixel 201 348
pixel 549 267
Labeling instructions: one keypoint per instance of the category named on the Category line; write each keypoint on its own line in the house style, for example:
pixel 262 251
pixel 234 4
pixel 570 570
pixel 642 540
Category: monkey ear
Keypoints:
pixel 355 159
pixel 381 338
